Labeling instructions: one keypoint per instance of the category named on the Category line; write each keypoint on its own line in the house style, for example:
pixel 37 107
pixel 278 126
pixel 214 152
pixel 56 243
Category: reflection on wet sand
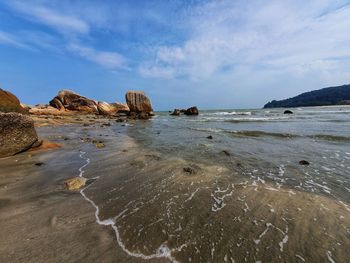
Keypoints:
pixel 217 214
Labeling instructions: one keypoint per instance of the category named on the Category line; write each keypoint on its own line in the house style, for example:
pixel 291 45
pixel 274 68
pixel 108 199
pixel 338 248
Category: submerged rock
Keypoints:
pixel 75 183
pixel 227 153
pixel 304 162
pixel 192 111
pixel 17 133
pixel 287 112
pixel 10 103
pixel 192 169
pixel 176 112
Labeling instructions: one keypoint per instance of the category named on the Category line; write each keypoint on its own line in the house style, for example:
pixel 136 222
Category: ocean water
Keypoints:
pixel 170 192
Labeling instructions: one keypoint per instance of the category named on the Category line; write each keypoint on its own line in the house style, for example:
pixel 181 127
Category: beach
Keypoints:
pixel 162 190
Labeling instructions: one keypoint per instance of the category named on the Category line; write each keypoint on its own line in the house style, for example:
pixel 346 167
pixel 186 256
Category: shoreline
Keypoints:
pixel 41 220
pixel 143 199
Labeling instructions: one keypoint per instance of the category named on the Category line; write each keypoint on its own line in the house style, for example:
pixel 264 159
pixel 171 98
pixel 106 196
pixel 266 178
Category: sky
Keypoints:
pixel 210 53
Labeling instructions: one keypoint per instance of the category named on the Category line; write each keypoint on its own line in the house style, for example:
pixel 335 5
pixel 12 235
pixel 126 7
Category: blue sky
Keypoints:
pixel 213 54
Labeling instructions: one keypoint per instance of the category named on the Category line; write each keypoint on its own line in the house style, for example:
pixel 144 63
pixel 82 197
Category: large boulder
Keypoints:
pixel 105 108
pixel 17 133
pixel 138 102
pixel 70 100
pixel 192 111
pixel 10 103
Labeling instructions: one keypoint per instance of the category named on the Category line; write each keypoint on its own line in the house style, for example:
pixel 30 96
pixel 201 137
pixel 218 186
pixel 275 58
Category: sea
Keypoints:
pixel 224 186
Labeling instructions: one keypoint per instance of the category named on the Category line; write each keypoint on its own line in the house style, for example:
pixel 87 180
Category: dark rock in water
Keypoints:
pixel 17 133
pixel 119 120
pixel 304 162
pixel 176 112
pixel 39 164
pixel 288 112
pixel 192 111
pixel 192 169
pixel 210 137
pixel 183 110
pixel 138 102
pixel 10 103
pixel 143 116
pixel 226 153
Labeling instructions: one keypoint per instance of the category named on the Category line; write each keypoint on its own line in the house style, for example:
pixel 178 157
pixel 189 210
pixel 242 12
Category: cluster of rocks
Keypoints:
pixel 190 111
pixel 17 132
pixel 67 102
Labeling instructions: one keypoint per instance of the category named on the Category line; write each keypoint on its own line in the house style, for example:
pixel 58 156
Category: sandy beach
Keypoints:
pixel 160 206
pixel 40 220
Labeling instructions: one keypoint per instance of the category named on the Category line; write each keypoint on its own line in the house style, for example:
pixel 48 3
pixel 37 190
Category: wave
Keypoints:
pixel 281 135
pixel 257 119
pixel 262 134
pixel 227 113
pixel 328 137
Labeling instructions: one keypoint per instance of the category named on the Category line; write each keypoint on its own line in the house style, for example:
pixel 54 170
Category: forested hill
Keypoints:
pixel 328 96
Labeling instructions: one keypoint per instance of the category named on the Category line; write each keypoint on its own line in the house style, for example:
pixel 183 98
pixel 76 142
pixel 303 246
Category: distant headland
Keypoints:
pixel 339 95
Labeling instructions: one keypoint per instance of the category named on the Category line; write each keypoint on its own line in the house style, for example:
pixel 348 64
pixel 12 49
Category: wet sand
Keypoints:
pixel 40 220
pixel 158 210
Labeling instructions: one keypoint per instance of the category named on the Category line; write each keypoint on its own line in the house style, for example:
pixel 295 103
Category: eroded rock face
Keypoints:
pixel 17 133
pixel 138 102
pixel 192 111
pixel 70 100
pixel 105 108
pixel 10 103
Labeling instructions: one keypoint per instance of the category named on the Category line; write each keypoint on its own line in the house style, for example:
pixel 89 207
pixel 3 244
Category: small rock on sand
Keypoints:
pixel 193 169
pixel 75 183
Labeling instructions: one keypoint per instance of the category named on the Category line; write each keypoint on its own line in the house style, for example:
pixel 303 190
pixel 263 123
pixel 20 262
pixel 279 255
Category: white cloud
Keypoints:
pixel 110 60
pixel 50 17
pixel 10 39
pixel 292 37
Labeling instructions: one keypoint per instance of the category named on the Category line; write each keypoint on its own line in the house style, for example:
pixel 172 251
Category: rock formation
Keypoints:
pixel 105 108
pixel 192 111
pixel 176 112
pixel 69 100
pixel 139 104
pixel 17 133
pixel 10 103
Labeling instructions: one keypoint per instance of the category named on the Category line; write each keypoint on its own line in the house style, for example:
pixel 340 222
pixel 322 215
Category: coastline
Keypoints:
pixel 162 205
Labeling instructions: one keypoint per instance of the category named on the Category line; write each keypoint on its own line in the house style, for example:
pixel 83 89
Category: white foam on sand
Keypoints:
pixel 162 252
